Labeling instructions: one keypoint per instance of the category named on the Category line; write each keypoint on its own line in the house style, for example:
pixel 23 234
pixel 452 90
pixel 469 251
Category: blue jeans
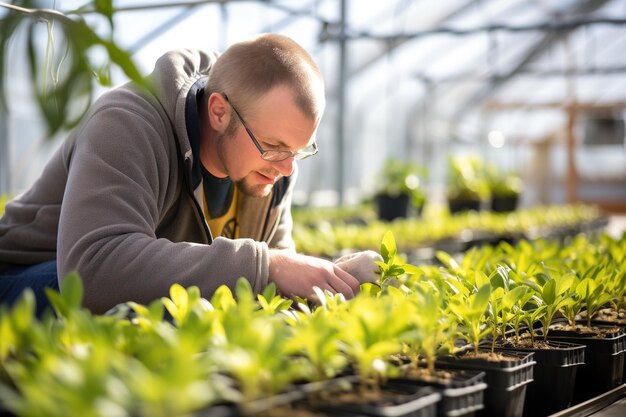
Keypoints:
pixel 36 277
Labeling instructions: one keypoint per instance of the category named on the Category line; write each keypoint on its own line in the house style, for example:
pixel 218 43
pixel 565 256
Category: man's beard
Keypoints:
pixel 244 184
pixel 253 190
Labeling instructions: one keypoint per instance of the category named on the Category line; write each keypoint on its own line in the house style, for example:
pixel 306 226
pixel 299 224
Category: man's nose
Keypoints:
pixel 285 167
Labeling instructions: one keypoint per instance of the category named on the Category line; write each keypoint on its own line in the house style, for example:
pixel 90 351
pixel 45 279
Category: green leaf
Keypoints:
pixel 388 247
pixel 65 100
pixel 263 302
pixel 23 311
pixel 411 269
pixel 156 310
pixel 481 298
pixel 370 289
pixel 548 293
pixel 586 288
pixel 481 279
pixel 566 284
pixel 496 280
pixel 179 296
pixel 193 294
pixel 223 298
pixel 58 302
pixel 139 309
pixel 447 259
pixel 395 271
pixel 270 291
pixel 500 277
pixel 8 26
pixel 243 290
pixel 542 278
pixel 513 296
pixel 72 290
pixel 384 268
pixel 105 8
pixel 533 285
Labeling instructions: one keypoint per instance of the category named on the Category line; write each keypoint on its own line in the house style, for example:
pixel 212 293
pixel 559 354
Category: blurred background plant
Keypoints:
pixel 74 59
pixel 505 188
pixel 467 187
pixel 400 186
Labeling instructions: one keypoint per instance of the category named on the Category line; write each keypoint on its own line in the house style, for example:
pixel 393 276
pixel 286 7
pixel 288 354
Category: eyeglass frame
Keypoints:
pixel 298 156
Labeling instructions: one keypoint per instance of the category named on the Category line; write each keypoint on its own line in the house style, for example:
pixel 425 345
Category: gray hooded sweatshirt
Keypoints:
pixel 120 201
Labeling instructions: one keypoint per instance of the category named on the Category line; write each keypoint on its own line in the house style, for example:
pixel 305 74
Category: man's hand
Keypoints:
pixel 361 265
pixel 296 275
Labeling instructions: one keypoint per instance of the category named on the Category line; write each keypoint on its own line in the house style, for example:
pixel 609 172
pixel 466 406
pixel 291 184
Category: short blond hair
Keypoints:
pixel 247 70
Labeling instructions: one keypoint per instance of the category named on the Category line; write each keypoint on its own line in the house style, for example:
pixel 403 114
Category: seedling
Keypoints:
pixel 372 330
pixel 553 294
pixel 505 301
pixel 589 295
pixel 431 328
pixel 470 311
pixel 316 336
pixel 271 302
pixel 392 267
pixel 254 347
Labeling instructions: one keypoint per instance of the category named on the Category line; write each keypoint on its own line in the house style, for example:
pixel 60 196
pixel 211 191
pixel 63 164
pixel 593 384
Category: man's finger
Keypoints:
pixel 349 279
pixel 342 287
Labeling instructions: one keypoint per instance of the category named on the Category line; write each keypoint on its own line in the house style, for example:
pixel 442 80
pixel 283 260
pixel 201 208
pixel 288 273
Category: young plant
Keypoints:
pixel 315 335
pixel 528 312
pixel 470 311
pixel 391 266
pixel 372 330
pixel 504 303
pixel 432 329
pixel 81 364
pixel 617 287
pixel 553 294
pixel 590 296
pixel 186 306
pixel 401 178
pixel 271 302
pixel 253 347
pixel 615 273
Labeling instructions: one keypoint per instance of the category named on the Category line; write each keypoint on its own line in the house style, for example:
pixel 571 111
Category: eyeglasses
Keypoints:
pixel 271 155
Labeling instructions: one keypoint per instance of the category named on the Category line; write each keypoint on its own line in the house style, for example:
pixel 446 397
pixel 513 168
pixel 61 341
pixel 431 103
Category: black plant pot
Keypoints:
pixel 504 204
pixel 341 396
pixel 266 406
pixel 462 392
pixel 458 206
pixel 392 207
pixel 604 361
pixel 612 321
pixel 506 381
pixel 554 376
pixel 397 399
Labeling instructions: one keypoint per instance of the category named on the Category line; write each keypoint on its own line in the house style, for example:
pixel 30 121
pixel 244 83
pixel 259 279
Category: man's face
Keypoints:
pixel 277 124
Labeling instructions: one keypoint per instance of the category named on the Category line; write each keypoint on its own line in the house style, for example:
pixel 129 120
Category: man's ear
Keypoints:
pixel 219 112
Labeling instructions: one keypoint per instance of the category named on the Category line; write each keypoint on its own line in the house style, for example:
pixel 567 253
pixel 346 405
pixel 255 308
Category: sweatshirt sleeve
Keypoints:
pixel 120 181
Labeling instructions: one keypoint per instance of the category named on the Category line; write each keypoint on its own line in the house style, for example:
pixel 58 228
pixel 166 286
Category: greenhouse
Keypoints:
pixel 268 208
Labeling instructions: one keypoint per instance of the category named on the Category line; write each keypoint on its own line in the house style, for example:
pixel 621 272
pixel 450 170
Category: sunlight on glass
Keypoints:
pixel 496 139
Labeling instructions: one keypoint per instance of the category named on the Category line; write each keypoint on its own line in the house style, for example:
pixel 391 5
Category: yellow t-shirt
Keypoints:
pixel 220 206
pixel 227 224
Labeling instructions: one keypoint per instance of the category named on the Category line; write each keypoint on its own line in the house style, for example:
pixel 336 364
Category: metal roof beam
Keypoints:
pixel 537 73
pixel 549 39
pixel 294 12
pixel 547 26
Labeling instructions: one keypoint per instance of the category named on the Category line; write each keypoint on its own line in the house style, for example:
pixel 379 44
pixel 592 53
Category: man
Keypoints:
pixel 189 183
